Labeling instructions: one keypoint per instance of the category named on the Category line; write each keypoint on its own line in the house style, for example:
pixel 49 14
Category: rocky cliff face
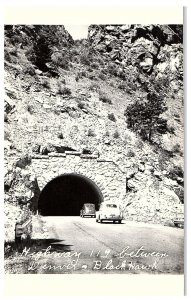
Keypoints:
pixel 134 45
pixel 65 95
pixel 145 55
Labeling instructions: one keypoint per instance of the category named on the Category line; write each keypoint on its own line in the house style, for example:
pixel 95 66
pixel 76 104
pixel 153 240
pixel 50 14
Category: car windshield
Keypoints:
pixel 111 205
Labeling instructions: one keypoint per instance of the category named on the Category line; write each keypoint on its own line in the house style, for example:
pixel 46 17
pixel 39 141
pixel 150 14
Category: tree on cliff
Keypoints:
pixel 144 117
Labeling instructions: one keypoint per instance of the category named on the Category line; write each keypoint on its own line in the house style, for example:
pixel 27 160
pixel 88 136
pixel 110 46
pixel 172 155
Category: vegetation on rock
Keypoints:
pixel 144 116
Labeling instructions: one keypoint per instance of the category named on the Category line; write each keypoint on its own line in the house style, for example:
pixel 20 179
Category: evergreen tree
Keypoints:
pixel 144 117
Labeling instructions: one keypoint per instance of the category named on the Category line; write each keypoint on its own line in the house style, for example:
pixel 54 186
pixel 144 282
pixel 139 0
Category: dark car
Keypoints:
pixel 88 209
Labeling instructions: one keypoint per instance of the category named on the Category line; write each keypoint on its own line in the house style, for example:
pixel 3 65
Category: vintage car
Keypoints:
pixel 88 209
pixel 109 211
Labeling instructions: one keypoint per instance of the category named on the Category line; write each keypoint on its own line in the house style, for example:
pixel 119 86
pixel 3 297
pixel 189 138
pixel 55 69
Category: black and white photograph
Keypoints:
pixel 94 156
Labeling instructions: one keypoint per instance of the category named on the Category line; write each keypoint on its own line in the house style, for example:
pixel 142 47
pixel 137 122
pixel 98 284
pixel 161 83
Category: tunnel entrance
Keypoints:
pixel 66 194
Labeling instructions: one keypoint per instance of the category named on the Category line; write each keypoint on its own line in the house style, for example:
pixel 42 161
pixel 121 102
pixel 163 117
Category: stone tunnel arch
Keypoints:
pixel 66 194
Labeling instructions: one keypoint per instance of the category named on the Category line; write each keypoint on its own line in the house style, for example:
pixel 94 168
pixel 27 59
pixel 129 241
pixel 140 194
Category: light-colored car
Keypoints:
pixel 88 209
pixel 109 211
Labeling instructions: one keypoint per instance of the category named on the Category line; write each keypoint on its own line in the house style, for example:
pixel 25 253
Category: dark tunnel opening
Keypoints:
pixel 66 194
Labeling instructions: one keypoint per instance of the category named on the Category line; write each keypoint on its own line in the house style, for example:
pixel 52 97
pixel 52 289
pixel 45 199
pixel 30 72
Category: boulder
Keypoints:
pixel 142 167
pixel 38 72
pixel 158 175
pixel 132 185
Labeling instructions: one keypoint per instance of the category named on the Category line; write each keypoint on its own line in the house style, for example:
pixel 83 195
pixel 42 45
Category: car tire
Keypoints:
pixel 113 221
pixel 97 220
pixel 119 221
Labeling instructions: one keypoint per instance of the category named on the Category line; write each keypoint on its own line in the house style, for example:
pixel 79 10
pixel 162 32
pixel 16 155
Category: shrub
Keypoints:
pixel 116 134
pixel 83 73
pixel 84 59
pixel 102 76
pixel 100 61
pixel 104 98
pixel 175 172
pixel 111 117
pixel 46 83
pixel 74 52
pixel 63 90
pixel 176 148
pixel 171 129
pixel 15 39
pixel 139 144
pixel 60 135
pixel 23 161
pixel 95 65
pixel 77 77
pixel 28 69
pixel 112 69
pixel 7 56
pixel 60 60
pixel 94 87
pixel 91 132
pixel 121 74
pixel 80 75
pixel 122 86
pixel 62 80
pixel 30 108
pixel 81 105
pixel 130 153
pixel 107 133
pixel 162 83
pixel 7 135
pixel 163 158
pixel 127 137
pixel 179 190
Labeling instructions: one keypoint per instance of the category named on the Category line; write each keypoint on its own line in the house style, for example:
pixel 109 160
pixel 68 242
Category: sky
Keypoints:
pixel 77 31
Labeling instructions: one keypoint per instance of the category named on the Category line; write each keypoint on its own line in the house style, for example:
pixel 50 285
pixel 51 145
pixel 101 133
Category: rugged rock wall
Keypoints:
pixel 135 45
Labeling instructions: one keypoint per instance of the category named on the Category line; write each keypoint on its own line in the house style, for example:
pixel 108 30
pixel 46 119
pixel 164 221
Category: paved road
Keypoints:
pixel 80 245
